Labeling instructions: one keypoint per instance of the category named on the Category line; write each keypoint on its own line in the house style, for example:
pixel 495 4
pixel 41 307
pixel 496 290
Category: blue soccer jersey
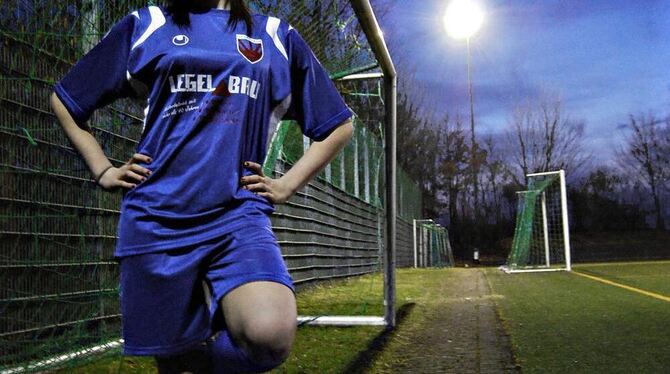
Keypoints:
pixel 214 96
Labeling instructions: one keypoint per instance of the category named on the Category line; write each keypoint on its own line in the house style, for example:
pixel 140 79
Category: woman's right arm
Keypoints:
pixel 126 176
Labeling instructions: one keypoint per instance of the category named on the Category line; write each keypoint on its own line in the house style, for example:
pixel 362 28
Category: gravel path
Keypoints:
pixel 453 329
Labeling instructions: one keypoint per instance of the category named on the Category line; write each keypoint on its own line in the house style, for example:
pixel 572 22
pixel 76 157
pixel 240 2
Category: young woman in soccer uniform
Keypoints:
pixel 196 205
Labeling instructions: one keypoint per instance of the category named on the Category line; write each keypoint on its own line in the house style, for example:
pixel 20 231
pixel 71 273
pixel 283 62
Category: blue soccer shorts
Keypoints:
pixel 170 301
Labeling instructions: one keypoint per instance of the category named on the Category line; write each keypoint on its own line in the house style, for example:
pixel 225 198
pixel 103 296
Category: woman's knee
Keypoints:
pixel 261 316
pixel 269 339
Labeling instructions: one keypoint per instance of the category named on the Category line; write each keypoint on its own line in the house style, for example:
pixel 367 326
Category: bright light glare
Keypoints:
pixel 463 18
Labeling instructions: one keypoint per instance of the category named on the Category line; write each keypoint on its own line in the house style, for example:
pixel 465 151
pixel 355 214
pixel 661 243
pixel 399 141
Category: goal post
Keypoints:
pixel 541 235
pixel 431 244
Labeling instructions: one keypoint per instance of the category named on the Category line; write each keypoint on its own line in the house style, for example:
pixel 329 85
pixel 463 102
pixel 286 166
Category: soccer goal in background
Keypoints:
pixel 431 244
pixel 541 236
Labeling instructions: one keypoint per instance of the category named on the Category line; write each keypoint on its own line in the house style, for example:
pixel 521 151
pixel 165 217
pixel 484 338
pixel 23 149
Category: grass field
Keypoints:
pixel 560 322
pixel 650 276
pixel 557 322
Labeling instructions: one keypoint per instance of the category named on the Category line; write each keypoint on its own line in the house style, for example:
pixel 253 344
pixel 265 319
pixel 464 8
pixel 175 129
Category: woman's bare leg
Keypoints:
pixel 261 321
pixel 261 318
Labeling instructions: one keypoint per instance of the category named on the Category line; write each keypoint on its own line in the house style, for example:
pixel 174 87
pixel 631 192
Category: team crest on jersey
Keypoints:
pixel 251 49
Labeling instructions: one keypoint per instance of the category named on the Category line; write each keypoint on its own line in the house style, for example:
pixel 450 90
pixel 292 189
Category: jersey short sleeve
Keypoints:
pixel 315 102
pixel 99 77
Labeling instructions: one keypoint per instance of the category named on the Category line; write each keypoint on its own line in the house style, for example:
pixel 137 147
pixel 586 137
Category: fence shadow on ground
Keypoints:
pixel 364 359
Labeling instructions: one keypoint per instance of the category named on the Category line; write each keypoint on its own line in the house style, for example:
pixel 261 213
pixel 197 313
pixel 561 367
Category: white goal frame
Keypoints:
pixel 565 227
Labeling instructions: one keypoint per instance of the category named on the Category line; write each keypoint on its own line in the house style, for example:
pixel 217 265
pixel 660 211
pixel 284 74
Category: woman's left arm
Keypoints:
pixel 318 155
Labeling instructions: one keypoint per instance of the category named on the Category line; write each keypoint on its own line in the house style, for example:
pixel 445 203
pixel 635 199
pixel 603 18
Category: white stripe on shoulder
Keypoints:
pixel 157 20
pixel 136 14
pixel 271 28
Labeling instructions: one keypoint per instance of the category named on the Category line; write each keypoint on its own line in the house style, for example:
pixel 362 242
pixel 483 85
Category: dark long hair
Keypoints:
pixel 239 11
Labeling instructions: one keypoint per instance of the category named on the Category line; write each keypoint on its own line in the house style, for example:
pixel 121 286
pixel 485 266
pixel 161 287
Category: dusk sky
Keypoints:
pixel 606 59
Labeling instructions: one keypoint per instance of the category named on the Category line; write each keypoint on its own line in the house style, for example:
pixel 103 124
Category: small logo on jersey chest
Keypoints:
pixel 251 49
pixel 180 39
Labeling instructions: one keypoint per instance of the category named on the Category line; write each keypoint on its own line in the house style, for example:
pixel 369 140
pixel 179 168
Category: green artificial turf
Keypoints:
pixel 563 323
pixel 649 275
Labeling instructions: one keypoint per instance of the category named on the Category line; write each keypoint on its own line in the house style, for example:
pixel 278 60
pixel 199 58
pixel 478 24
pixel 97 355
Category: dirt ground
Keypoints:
pixel 457 331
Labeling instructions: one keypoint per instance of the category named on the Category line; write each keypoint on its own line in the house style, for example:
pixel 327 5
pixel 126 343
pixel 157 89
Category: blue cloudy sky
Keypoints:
pixel 606 59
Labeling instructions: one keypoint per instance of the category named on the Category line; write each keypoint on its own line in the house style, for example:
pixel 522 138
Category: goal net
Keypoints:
pixel 431 245
pixel 541 238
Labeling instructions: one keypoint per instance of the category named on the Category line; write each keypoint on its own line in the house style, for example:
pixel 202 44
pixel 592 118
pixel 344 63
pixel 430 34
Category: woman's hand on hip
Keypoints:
pixel 277 191
pixel 126 176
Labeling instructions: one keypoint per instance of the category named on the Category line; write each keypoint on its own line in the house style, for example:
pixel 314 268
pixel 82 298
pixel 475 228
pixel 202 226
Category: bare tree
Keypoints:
pixel 453 163
pixel 665 151
pixel 543 138
pixel 496 174
pixel 646 155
